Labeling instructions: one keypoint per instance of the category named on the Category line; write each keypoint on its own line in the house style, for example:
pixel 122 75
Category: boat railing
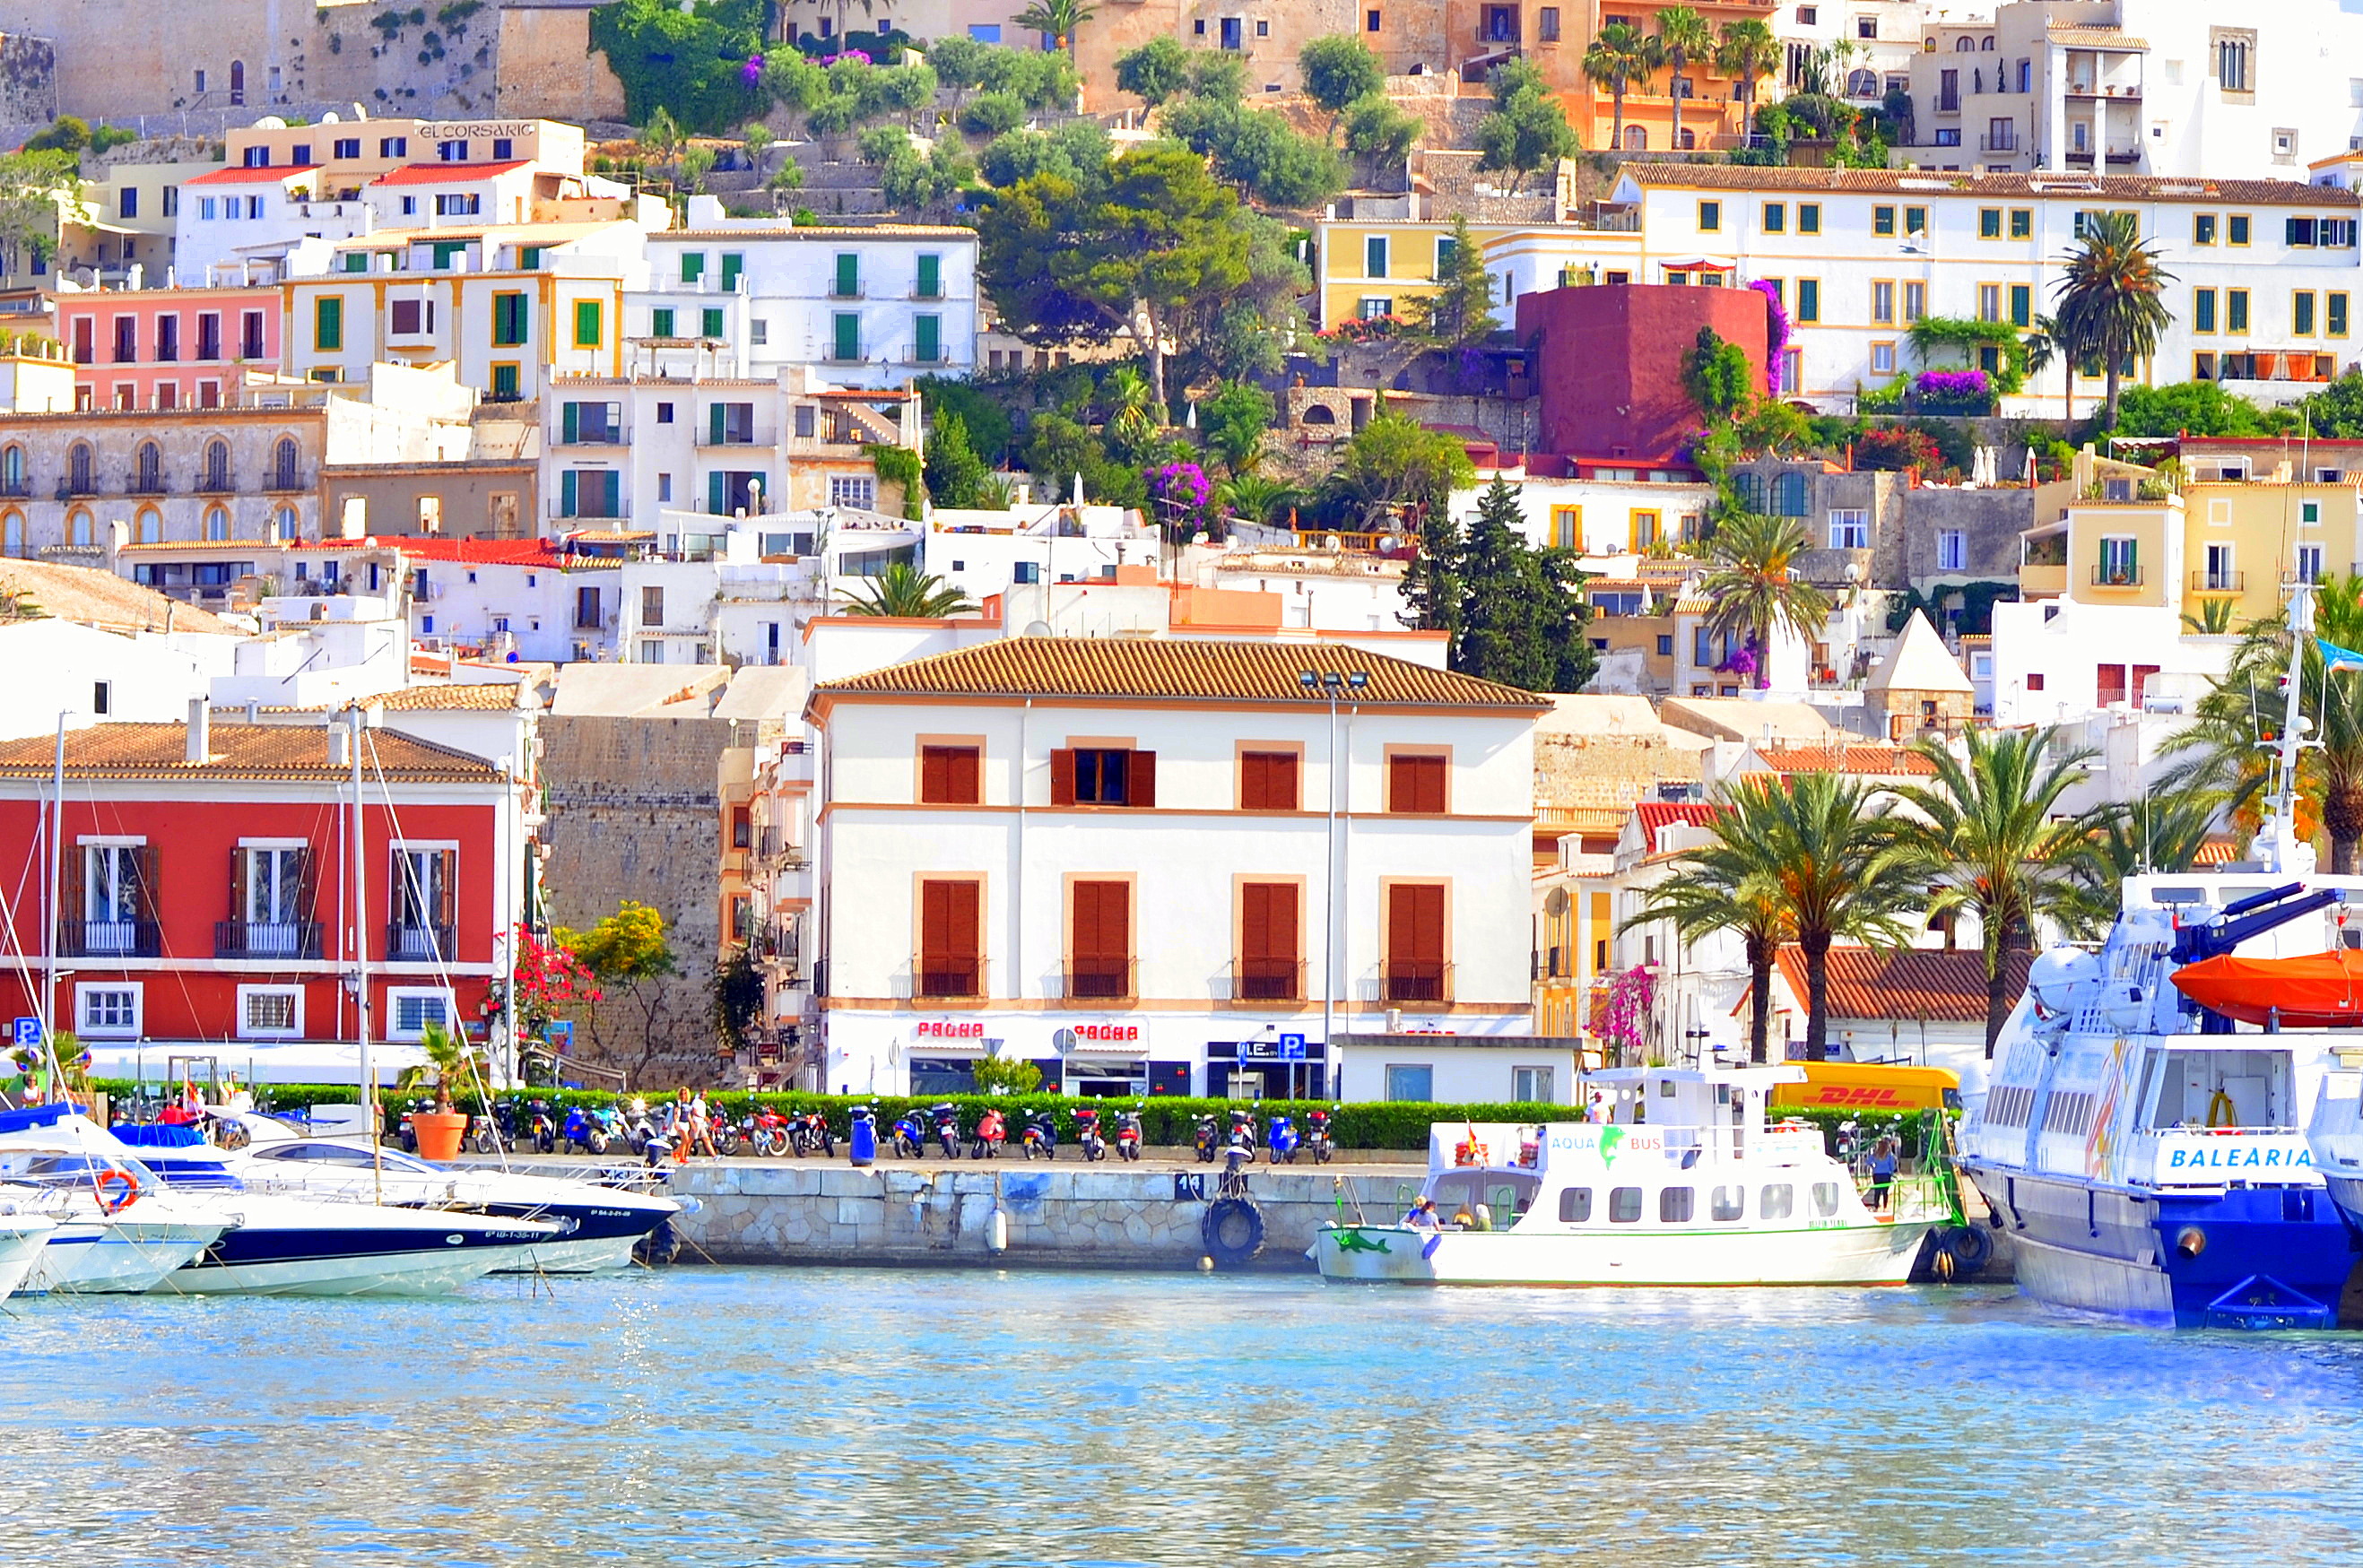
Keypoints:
pixel 1913 1198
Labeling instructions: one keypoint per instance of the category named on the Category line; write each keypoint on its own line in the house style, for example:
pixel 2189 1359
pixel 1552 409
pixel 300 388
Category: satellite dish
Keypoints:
pixel 1063 1041
pixel 271 122
pixel 330 118
pixel 1037 629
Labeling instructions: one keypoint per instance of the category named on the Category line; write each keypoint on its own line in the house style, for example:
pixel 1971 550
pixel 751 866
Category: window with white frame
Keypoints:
pixel 270 901
pixel 270 1012
pixel 1952 550
pixel 114 896
pixel 2309 563
pixel 410 1010
pixel 111 1010
pixel 1849 528
pixel 848 491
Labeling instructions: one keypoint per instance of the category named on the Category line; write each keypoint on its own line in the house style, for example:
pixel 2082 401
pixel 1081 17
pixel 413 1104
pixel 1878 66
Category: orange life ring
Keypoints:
pixel 130 1191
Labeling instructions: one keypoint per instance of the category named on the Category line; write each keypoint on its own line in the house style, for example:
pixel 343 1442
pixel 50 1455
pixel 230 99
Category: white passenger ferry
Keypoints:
pixel 1684 1183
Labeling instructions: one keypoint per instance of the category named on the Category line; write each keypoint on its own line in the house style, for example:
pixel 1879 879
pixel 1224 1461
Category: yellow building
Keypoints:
pixel 2243 540
pixel 1367 268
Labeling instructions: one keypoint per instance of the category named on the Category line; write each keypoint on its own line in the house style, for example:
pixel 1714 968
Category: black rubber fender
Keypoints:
pixel 660 1246
pixel 1972 1249
pixel 1233 1231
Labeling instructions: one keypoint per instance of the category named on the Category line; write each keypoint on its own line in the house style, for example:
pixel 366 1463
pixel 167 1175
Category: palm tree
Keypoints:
pixel 2110 300
pixel 904 590
pixel 1727 885
pixel 1057 20
pixel 2043 346
pixel 1991 831
pixel 2163 830
pixel 1747 52
pixel 1620 55
pixel 1754 590
pixel 1253 498
pixel 1683 37
pixel 1839 871
pixel 2213 620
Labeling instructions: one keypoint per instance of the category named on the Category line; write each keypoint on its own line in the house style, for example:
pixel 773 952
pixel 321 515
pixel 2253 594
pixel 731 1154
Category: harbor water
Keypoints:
pixel 726 1415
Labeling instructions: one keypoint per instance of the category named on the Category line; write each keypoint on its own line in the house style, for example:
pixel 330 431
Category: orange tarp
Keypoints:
pixel 2318 991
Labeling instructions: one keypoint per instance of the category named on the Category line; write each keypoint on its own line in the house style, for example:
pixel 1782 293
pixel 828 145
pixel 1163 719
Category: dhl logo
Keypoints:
pixel 1851 1095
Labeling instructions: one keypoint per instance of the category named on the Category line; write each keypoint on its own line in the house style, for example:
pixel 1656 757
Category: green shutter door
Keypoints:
pixel 849 275
pixel 931 334
pixel 849 337
pixel 716 423
pixel 714 324
pixel 568 497
pixel 732 265
pixel 661 323
pixel 716 490
pixel 931 277
pixel 692 266
pixel 611 494
pixel 572 423
pixel 329 324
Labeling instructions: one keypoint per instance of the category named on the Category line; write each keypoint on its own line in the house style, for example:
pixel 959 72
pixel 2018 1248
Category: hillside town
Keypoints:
pixel 1249 556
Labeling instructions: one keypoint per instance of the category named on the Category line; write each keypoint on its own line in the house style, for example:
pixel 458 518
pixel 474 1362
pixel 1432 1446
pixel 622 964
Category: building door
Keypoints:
pixel 1099 959
pixel 1231 32
pixel 2109 684
pixel 1416 968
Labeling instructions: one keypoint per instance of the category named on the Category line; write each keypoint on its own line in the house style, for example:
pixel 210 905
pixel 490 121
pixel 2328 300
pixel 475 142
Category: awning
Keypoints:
pixel 258 1061
pixel 1703 264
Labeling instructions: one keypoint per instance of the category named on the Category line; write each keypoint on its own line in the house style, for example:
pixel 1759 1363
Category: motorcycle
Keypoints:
pixel 1316 1126
pixel 582 1131
pixel 1042 1135
pixel 1087 1136
pixel 407 1133
pixel 1202 1138
pixel 1280 1138
pixel 947 1133
pixel 910 1134
pixel 1241 1139
pixel 483 1136
pixel 992 1132
pixel 724 1134
pixel 540 1128
pixel 767 1132
pixel 638 1126
pixel 809 1134
pixel 1127 1134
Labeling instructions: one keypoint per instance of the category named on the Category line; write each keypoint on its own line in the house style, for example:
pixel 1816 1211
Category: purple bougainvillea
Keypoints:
pixel 753 72
pixel 1778 325
pixel 1183 498
pixel 1953 388
pixel 1625 1019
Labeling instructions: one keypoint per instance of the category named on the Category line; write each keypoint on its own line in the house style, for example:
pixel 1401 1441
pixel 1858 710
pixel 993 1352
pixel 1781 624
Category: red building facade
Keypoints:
pixel 204 896
pixel 1608 361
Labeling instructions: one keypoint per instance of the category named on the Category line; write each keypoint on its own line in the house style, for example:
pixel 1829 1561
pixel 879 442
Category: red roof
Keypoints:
pixel 1942 986
pixel 241 175
pixel 1871 759
pixel 1656 815
pixel 445 173
pixel 472 552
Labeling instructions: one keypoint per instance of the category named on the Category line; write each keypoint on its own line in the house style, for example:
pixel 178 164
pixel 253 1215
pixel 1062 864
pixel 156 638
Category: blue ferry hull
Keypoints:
pixel 2267 1257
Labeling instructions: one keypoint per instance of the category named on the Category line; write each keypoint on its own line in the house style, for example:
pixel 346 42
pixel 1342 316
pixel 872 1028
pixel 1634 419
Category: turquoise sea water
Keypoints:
pixel 744 1417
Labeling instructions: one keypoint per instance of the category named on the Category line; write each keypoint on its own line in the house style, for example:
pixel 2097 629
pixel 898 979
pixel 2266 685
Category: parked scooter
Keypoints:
pixel 542 1128
pixel 639 1125
pixel 1127 1134
pixel 808 1135
pixel 1203 1138
pixel 910 1134
pixel 1316 1126
pixel 1042 1135
pixel 1087 1136
pixel 767 1132
pixel 582 1131
pixel 724 1134
pixel 992 1132
pixel 483 1136
pixel 1280 1137
pixel 1242 1135
pixel 947 1133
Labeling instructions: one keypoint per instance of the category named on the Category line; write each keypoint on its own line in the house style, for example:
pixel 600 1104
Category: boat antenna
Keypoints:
pixel 2277 848
pixel 371 1116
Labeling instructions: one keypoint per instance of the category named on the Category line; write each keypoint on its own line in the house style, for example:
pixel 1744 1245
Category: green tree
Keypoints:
pixel 1059 448
pixel 1527 130
pixel 1058 21
pixel 1394 472
pixel 1995 842
pixel 756 139
pixel 67 133
pixel 1729 885
pixel 904 590
pixel 993 113
pixel 1683 38
pixel 2163 830
pixel 986 422
pixel 1718 376
pixel 1071 151
pixel 1338 69
pixel 1133 416
pixel 1257 150
pixel 1234 421
pixel 1752 588
pixel 1218 76
pixel 628 952
pixel 959 64
pixel 2336 410
pixel 2110 301
pixel 1747 51
pixel 1619 55
pixel 690 61
pixel 737 995
pixel 1379 133
pixel 1521 620
pixel 37 190
pixel 1005 1074
pixel 1460 310
pixel 1838 872
pixel 957 476
pixel 1154 71
pixel 697 163
pixel 2195 408
pixel 1252 498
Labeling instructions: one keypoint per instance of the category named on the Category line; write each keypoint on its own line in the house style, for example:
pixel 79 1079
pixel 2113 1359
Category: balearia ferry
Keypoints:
pixel 2142 1133
pixel 1683 1184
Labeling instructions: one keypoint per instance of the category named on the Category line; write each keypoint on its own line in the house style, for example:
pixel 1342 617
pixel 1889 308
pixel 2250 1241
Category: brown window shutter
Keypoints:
pixel 1416 924
pixel 961 932
pixel 963 779
pixel 74 900
pixel 307 884
pixel 1282 785
pixel 935 925
pixel 1282 943
pixel 1255 921
pixel 398 891
pixel 1416 784
pixel 935 775
pixel 239 860
pixel 1398 784
pixel 1062 777
pixel 1101 923
pixel 1252 775
pixel 446 911
pixel 144 862
pixel 1140 788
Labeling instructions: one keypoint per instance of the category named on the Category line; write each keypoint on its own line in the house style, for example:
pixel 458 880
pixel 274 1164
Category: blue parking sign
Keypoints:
pixel 28 1031
pixel 1291 1047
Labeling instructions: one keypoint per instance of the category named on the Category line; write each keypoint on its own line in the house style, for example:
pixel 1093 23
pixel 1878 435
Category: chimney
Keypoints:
pixel 340 743
pixel 201 732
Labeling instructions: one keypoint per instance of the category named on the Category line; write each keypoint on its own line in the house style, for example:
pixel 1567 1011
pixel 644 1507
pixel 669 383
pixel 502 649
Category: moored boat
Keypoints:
pixel 1685 1184
pixel 23 1236
pixel 117 1232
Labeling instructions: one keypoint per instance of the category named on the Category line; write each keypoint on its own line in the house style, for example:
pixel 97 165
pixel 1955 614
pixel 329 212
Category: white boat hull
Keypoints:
pixel 121 1256
pixel 386 1273
pixel 23 1238
pixel 600 1254
pixel 1877 1254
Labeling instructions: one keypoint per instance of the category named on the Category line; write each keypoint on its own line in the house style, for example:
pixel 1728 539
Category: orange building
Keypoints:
pixel 1713 107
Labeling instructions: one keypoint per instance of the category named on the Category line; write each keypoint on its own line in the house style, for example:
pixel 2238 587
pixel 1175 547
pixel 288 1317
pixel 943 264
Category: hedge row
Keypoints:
pixel 1165 1119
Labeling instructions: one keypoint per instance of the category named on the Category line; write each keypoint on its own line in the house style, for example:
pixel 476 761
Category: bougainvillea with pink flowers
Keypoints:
pixel 1778 328
pixel 1953 389
pixel 1624 1018
pixel 1183 498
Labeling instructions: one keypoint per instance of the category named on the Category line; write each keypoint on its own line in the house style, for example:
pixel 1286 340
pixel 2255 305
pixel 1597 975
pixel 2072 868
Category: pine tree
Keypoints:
pixel 1432 585
pixel 1460 310
pixel 1521 621
pixel 956 475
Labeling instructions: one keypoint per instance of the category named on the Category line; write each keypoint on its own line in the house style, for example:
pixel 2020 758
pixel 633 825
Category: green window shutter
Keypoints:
pixel 2022 305
pixel 509 320
pixel 568 497
pixel 529 259
pixel 356 261
pixel 572 423
pixel 505 380
pixel 329 324
pixel 1809 299
pixel 716 489
pixel 661 323
pixel 712 323
pixel 717 421
pixel 610 494
pixel 2203 311
pixel 848 346
pixel 1374 256
pixel 849 275
pixel 586 323
pixel 931 277
pixel 692 266
pixel 931 330
pixel 732 265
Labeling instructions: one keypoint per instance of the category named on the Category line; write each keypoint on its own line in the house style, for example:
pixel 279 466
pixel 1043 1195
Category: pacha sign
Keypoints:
pixel 1108 1033
pixel 950 1029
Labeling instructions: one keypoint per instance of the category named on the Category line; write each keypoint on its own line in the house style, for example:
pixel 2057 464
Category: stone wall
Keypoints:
pixel 546 68
pixel 29 80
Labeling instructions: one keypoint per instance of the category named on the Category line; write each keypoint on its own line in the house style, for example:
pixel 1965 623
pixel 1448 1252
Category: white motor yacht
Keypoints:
pixel 23 1237
pixel 118 1232
pixel 1684 1185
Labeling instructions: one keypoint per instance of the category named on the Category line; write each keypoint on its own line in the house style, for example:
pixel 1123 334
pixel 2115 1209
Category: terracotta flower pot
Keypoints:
pixel 439 1132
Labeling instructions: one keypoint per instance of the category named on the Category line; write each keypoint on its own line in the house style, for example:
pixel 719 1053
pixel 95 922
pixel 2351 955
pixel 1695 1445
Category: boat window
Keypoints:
pixel 1575 1206
pixel 2223 1088
pixel 1729 1202
pixel 1775 1202
pixel 1826 1199
pixel 1624 1205
pixel 1675 1204
pixel 1505 1201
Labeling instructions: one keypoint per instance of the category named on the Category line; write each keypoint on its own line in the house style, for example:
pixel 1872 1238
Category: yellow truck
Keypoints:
pixel 1873 1087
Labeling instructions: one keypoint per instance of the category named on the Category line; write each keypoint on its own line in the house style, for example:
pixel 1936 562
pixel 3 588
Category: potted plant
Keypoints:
pixel 440 1130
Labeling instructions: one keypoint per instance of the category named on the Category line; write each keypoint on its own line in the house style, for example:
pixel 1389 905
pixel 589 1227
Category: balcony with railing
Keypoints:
pixel 1267 980
pixel 2211 580
pixel 409 944
pixel 109 939
pixel 1099 979
pixel 2007 141
pixel 2117 575
pixel 949 978
pixel 1416 981
pixel 266 939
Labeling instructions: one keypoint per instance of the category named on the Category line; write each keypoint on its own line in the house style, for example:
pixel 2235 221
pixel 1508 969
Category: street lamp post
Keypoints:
pixel 1331 684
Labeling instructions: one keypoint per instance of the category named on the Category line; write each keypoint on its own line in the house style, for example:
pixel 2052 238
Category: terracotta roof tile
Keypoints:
pixel 1175 670
pixel 1916 983
pixel 444 173
pixel 239 751
pixel 1656 815
pixel 95 598
pixel 239 174
pixel 1924 181
pixel 1870 760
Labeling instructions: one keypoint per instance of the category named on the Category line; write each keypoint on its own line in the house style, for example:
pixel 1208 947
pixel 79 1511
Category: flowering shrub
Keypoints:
pixel 1953 389
pixel 1778 325
pixel 1741 662
pixel 1183 498
pixel 753 72
pixel 1896 447
pixel 1624 1018
pixel 852 54
pixel 1360 329
pixel 549 978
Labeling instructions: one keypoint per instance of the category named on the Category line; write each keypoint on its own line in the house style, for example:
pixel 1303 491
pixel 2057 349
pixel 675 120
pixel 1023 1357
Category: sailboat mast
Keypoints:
pixel 56 891
pixel 370 1113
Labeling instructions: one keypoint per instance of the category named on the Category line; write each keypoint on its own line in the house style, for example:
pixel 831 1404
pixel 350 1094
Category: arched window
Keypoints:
pixel 217 524
pixel 1637 138
pixel 149 527
pixel 217 466
pixel 1318 413
pixel 1690 140
pixel 12 471
pixel 150 462
pixel 283 464
pixel 282 526
pixel 1749 489
pixel 1863 85
pixel 1788 495
pixel 1960 46
pixel 78 531
pixel 12 534
pixel 1985 46
pixel 78 468
pixel 236 82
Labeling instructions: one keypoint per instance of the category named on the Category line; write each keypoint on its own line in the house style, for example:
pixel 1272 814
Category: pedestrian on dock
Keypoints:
pixel 1882 1171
